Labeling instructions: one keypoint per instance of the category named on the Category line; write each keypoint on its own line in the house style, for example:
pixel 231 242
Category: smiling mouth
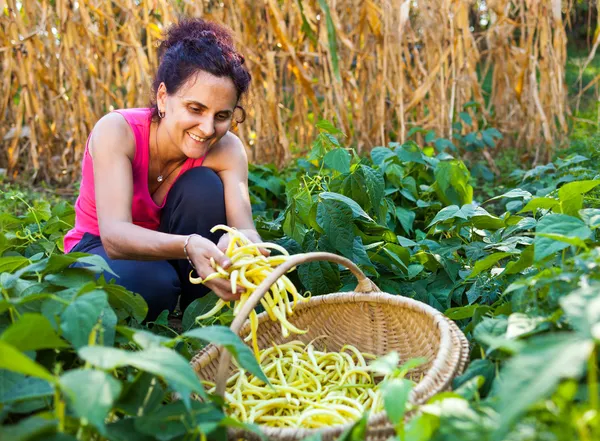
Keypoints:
pixel 196 138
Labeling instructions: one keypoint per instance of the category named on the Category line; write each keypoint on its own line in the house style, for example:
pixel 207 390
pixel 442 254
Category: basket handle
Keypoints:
pixel 365 285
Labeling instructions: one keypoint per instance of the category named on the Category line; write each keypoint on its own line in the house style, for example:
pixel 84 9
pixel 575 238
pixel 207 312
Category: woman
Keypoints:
pixel 156 180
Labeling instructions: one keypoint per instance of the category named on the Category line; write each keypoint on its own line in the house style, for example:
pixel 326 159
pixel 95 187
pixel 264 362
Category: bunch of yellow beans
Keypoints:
pixel 249 268
pixel 310 388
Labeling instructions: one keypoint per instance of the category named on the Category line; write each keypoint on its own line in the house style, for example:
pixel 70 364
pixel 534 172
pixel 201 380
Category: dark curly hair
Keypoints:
pixel 192 45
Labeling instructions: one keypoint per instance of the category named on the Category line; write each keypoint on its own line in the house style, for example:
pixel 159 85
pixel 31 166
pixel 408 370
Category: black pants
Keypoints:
pixel 195 204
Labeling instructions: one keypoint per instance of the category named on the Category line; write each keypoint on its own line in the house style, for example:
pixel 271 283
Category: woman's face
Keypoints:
pixel 199 113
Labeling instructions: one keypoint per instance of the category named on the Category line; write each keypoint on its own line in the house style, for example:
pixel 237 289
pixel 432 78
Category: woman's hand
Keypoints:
pixel 200 250
pixel 252 236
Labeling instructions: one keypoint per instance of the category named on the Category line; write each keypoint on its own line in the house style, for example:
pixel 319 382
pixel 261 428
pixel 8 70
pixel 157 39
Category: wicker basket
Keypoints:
pixel 373 321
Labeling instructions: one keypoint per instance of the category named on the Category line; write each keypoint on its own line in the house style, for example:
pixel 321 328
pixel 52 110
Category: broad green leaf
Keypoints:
pixel 410 152
pixel 396 393
pixel 357 211
pixel 221 335
pixel 466 118
pixel 487 263
pixel 591 217
pixel 29 429
pixel 328 127
pixel 520 325
pixel 537 203
pixel 163 362
pixel 71 277
pixel 582 308
pixel 406 218
pixel 198 307
pixel 124 430
pixel 512 194
pixel 13 360
pixel 172 420
pixel 571 195
pixel 32 332
pixel 91 394
pixel 12 263
pixel 142 396
pixel 562 224
pixel 461 312
pixel 81 316
pixel 380 154
pixel 525 261
pixel 357 431
pixel 375 185
pixel 481 367
pixel 339 160
pixel 535 372
pixel 130 302
pixel 319 277
pixel 28 388
pixel 451 212
pixel 452 183
pixel 335 218
pixel 575 241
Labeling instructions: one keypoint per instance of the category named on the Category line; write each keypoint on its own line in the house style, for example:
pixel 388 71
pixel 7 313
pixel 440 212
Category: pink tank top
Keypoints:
pixel 144 211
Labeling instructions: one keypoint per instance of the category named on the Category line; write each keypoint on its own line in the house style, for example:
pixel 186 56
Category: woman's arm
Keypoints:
pixel 112 147
pixel 231 164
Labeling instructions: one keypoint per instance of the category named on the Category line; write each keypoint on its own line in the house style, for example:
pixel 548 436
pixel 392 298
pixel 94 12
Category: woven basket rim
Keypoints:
pixel 418 394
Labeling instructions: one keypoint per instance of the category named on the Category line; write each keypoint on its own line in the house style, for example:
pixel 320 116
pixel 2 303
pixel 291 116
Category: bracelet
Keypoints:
pixel 185 249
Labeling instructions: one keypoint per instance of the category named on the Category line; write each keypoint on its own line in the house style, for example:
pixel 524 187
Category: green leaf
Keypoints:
pixel 132 303
pixel 339 160
pixel 173 420
pixel 406 218
pixel 319 277
pixel 328 127
pixel 582 308
pixel 525 261
pixel 91 394
pixel 357 431
pixel 12 263
pixel 32 332
pixel 561 224
pixel 163 362
pixel 380 154
pixel 396 393
pixel 374 185
pixel 410 152
pixel 222 335
pixel 591 217
pixel 487 263
pixel 534 373
pixel 335 218
pixel 537 203
pixel 29 429
pixel 357 211
pixel 571 195
pixel 452 183
pixel 466 118
pixel 198 307
pixel 13 360
pixel 29 388
pixel 143 395
pixel 81 316
pixel 516 193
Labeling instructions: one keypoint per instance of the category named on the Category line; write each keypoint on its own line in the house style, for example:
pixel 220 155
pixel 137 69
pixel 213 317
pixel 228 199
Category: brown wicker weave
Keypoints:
pixel 373 321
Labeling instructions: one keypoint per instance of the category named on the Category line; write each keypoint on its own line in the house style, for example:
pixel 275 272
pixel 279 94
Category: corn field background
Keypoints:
pixel 376 68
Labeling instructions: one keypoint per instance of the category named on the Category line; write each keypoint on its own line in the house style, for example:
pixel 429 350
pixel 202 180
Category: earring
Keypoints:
pixel 161 114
